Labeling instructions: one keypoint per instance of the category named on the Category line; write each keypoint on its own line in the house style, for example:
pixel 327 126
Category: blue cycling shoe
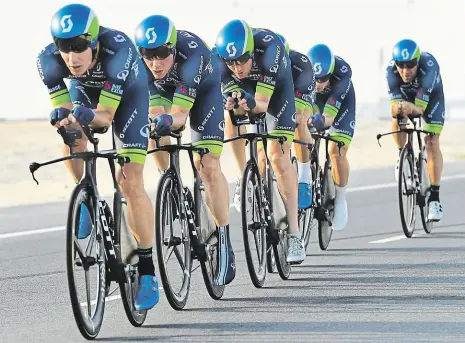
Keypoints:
pixel 226 263
pixel 85 223
pixel 147 294
pixel 305 195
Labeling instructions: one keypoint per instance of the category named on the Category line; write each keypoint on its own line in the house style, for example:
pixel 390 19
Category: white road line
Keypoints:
pixel 350 189
pixel 395 238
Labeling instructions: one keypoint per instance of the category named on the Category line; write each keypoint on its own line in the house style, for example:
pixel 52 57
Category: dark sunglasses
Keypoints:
pixel 77 44
pixel 159 53
pixel 408 64
pixel 323 79
pixel 238 61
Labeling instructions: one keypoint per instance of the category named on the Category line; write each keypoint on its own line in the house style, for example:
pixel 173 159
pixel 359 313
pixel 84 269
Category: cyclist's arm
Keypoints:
pixel 334 102
pixel 265 87
pixel 158 104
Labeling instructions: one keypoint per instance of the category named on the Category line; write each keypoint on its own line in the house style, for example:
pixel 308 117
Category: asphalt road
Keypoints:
pixel 372 284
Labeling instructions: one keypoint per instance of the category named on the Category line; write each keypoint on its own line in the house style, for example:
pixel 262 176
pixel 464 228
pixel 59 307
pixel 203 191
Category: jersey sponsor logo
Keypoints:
pixel 282 110
pixel 66 23
pixel 304 59
pixel 274 68
pixel 344 69
pixel 221 125
pixel 338 105
pixel 352 124
pixel 231 49
pixel 192 92
pixel 54 89
pixel 145 131
pixel 39 68
pixel 269 80
pixel 183 89
pixel 119 38
pixel 332 101
pixel 298 94
pixel 107 86
pixel 268 38
pixel 430 63
pixel 151 35
pixel 83 92
pixel 193 44
pixel 294 117
pixel 131 118
pixel 135 67
pixel 123 74
pixel 208 116
pixel 116 89
pixel 197 79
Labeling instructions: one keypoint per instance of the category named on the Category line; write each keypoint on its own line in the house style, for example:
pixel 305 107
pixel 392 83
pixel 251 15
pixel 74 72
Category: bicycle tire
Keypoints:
pixel 257 275
pixel 129 287
pixel 207 232
pixel 89 327
pixel 279 247
pixel 164 212
pixel 404 180
pixel 326 210
pixel 422 200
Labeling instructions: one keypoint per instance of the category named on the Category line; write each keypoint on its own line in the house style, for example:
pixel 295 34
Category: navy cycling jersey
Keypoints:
pixel 191 69
pixel 425 85
pixel 304 80
pixel 340 84
pixel 117 68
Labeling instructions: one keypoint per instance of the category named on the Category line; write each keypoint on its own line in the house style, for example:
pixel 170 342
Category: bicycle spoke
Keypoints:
pixel 178 255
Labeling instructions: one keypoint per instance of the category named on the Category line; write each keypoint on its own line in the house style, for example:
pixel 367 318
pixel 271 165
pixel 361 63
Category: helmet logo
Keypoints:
pixel 151 35
pixel 231 49
pixel 405 54
pixel 317 68
pixel 66 23
pixel 268 38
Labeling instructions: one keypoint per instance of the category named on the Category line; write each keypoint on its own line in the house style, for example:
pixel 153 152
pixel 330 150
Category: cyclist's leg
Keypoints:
pixel 342 130
pixel 161 102
pixel 131 135
pixel 303 157
pixel 207 131
pixel 434 117
pixel 85 96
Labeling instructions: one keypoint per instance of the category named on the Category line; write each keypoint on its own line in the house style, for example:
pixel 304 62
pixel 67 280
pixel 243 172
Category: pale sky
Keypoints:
pixel 355 30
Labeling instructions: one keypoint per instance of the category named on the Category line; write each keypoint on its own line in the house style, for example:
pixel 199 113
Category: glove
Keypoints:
pixel 251 103
pixel 163 124
pixel 58 114
pixel 83 115
pixel 318 121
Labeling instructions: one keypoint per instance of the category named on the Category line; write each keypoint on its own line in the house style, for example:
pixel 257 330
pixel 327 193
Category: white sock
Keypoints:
pixel 340 192
pixel 305 173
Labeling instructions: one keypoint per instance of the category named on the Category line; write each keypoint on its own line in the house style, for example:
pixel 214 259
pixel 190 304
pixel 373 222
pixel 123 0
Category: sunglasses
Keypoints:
pixel 239 61
pixel 408 64
pixel 77 44
pixel 323 79
pixel 159 53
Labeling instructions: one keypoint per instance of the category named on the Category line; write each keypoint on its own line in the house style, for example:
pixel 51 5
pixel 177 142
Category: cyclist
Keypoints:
pixel 256 72
pixel 415 88
pixel 184 80
pixel 107 86
pixel 335 108
pixel 304 88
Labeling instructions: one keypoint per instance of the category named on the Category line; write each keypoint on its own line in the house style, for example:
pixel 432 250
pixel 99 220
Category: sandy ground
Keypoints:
pixel 25 142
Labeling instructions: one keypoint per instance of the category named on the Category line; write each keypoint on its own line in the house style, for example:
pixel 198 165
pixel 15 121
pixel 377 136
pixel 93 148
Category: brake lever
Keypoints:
pixel 378 137
pixel 340 145
pixel 33 168
pixel 202 153
pixel 122 160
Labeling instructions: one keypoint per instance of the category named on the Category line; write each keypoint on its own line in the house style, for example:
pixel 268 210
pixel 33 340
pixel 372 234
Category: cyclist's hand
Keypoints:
pixel 406 108
pixel 318 121
pixel 83 115
pixel 161 124
pixel 246 101
pixel 228 101
pixel 58 114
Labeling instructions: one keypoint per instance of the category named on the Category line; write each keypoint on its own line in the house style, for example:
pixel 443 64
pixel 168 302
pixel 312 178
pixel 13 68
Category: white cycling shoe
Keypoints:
pixel 435 211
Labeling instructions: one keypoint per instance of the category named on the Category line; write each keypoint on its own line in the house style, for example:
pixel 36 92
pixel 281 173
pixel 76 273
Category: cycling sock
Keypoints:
pixel 434 196
pixel 340 192
pixel 400 150
pixel 305 173
pixel 145 265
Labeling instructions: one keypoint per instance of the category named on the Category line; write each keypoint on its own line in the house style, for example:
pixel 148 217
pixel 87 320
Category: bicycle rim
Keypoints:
pixel 81 256
pixel 209 237
pixel 129 287
pixel 252 227
pixel 406 192
pixel 326 210
pixel 172 240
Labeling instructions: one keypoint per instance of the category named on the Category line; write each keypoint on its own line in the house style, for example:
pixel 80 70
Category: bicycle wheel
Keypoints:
pixel 87 298
pixel 326 210
pixel 207 231
pixel 253 230
pixel 280 224
pixel 406 191
pixel 172 240
pixel 128 255
pixel 422 198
